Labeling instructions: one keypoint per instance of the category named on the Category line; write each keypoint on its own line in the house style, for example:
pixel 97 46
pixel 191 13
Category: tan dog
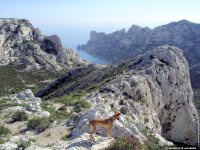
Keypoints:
pixel 106 123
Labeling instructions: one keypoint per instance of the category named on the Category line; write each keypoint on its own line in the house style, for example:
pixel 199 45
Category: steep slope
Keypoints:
pixel 24 50
pixel 121 45
pixel 153 91
pixel 23 45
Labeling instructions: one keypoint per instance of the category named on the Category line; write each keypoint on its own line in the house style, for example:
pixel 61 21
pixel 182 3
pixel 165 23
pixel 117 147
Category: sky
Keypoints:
pixel 73 20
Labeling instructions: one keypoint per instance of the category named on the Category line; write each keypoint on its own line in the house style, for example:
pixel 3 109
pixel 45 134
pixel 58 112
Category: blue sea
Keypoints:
pixel 86 56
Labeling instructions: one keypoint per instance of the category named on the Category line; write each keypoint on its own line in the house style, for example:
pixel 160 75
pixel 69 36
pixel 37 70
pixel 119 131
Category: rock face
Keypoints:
pixel 23 45
pixel 153 92
pixel 121 45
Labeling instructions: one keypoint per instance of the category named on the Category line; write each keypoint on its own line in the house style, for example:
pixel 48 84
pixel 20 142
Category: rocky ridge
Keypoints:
pixel 153 91
pixel 122 45
pixel 21 44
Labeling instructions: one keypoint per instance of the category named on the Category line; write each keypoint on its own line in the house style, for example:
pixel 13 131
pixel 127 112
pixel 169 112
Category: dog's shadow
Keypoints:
pixel 81 144
pixel 87 143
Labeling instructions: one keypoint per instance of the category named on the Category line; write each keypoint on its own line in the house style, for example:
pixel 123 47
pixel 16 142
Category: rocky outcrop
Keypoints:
pixel 23 45
pixel 121 45
pixel 154 93
pixel 33 103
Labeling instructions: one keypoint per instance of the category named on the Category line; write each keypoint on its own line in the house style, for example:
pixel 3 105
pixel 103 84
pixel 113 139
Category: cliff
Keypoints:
pixel 21 44
pixel 120 45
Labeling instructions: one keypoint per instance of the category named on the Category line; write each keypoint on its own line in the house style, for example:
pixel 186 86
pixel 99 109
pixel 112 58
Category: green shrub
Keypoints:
pixel 62 108
pixel 2 140
pixel 121 102
pixel 74 99
pixel 4 133
pixel 6 103
pixel 146 120
pixel 11 79
pixel 67 137
pixel 80 105
pixel 19 115
pixel 152 143
pixel 58 115
pixel 152 146
pixel 24 144
pixel 38 124
pixel 124 143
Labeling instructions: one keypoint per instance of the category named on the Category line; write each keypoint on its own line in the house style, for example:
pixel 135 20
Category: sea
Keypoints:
pixel 86 56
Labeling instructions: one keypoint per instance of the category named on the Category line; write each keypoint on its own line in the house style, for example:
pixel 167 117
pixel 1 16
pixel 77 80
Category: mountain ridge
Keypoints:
pixel 118 46
pixel 22 44
pixel 155 86
pixel 28 58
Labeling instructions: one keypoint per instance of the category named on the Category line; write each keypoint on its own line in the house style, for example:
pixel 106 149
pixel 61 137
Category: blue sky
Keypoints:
pixel 72 20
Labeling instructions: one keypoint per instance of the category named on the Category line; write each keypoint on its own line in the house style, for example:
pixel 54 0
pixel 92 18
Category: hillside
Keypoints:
pixel 30 59
pixel 153 91
pixel 122 45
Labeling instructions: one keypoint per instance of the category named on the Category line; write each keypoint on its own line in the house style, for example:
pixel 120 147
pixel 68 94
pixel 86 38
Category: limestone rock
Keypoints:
pixel 153 93
pixel 24 46
pixel 33 103
pixel 27 94
pixel 45 114
pixel 8 146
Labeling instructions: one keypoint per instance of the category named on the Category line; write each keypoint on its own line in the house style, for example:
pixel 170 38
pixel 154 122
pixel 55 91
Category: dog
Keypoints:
pixel 104 122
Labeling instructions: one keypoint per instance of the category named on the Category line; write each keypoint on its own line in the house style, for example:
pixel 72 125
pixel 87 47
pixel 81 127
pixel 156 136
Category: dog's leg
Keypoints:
pixel 91 137
pixel 93 131
pixel 110 131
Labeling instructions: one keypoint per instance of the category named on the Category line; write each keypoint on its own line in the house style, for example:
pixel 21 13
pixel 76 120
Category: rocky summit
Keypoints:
pixel 152 91
pixel 21 44
pixel 122 45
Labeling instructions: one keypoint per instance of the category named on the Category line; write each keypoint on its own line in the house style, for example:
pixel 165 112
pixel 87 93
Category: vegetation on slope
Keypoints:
pixel 87 79
pixel 13 79
pixel 4 134
pixel 197 99
pixel 73 100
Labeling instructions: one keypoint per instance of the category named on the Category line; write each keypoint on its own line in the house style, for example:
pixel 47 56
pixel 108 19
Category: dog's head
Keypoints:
pixel 117 114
